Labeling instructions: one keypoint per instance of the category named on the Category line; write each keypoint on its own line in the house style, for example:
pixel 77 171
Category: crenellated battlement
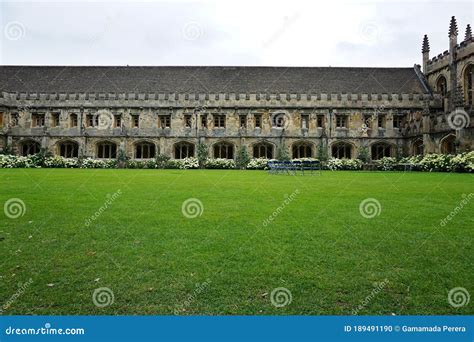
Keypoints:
pixel 165 100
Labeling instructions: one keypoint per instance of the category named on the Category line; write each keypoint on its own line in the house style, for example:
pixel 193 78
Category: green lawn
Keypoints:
pixel 319 246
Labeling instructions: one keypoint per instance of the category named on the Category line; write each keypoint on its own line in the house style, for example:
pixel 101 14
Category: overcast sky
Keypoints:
pixel 264 33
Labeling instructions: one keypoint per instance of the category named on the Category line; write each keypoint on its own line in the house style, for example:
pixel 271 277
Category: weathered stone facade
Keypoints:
pixel 391 111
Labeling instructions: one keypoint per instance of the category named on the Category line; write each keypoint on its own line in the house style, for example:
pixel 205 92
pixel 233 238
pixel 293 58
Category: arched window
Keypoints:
pixel 342 150
pixel 448 144
pixel 418 147
pixel 442 88
pixel 381 150
pixel 468 85
pixel 144 150
pixel 183 150
pixel 106 150
pixel 69 149
pixel 302 150
pixel 29 147
pixel 224 150
pixel 263 150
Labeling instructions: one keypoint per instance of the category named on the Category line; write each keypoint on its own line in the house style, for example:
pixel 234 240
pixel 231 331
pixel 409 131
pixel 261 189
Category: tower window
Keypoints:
pixel 258 121
pixel 304 121
pixel 397 121
pixel 381 121
pixel 219 121
pixel 243 121
pixel 187 121
pixel 38 120
pixel 341 121
pixel 135 120
pixel 73 120
pixel 469 85
pixel 55 119
pixel 165 121
pixel 117 120
pixel 320 120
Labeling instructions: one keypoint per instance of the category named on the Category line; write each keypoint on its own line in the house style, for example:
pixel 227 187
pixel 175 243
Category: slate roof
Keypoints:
pixel 216 79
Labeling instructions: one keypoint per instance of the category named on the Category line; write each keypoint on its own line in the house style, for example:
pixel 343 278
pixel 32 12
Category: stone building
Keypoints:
pixel 303 111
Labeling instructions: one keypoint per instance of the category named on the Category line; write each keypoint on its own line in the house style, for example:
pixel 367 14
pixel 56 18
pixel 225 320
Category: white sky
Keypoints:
pixel 257 32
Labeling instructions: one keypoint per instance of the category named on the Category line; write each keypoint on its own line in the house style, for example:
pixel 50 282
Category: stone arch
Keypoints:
pixel 442 88
pixel 302 149
pixel 417 147
pixel 67 148
pixel 381 149
pixel 106 149
pixel 342 149
pixel 29 147
pixel 223 149
pixel 144 149
pixel 447 144
pixel 468 84
pixel 263 149
pixel 442 85
pixel 183 149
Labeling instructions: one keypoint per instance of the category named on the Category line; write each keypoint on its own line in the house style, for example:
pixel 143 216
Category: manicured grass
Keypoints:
pixel 318 246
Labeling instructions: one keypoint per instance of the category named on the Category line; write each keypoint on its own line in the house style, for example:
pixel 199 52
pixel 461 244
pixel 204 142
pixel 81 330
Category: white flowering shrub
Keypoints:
pixel 304 159
pixel 436 162
pixel 386 163
pixel 258 164
pixel 219 163
pixel 186 163
pixel 61 162
pixel 344 164
pixel 9 161
pixel 463 162
pixel 90 163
